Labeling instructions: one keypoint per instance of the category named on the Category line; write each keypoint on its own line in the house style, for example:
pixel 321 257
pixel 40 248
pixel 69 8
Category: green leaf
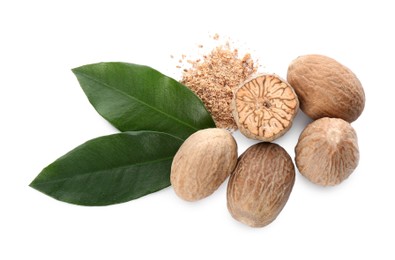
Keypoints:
pixel 111 169
pixel 136 97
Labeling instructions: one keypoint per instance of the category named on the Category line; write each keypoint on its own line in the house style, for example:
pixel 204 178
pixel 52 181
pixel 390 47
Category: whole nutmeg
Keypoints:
pixel 202 163
pixel 326 88
pixel 327 151
pixel 264 107
pixel 260 185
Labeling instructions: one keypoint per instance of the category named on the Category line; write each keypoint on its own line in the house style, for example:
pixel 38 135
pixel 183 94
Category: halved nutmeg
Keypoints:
pixel 264 107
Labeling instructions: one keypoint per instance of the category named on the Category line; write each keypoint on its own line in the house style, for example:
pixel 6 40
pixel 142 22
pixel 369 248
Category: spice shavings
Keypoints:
pixel 214 77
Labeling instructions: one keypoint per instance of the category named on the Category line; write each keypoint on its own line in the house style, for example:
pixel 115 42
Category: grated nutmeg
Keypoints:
pixel 214 77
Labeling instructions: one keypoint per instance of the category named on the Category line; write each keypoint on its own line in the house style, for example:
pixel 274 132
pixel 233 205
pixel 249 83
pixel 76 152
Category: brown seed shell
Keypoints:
pixel 326 88
pixel 327 151
pixel 264 107
pixel 260 185
pixel 202 163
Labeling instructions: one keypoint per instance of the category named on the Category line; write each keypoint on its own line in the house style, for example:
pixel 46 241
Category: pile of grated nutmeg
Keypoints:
pixel 214 77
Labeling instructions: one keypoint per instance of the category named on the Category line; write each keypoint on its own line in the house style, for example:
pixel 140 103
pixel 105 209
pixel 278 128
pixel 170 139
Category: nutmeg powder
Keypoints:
pixel 214 77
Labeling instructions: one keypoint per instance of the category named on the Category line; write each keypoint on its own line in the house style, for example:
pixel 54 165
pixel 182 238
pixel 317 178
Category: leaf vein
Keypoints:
pixel 138 100
pixel 102 171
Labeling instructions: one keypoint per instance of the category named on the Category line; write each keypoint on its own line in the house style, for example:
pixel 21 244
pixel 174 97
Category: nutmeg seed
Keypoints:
pixel 326 88
pixel 327 151
pixel 264 107
pixel 202 163
pixel 260 185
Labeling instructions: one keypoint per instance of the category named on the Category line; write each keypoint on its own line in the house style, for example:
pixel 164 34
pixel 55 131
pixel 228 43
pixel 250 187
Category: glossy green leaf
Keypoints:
pixel 111 169
pixel 136 97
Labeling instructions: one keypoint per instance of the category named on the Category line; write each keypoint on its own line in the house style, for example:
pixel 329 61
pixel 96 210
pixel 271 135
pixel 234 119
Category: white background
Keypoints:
pixel 44 114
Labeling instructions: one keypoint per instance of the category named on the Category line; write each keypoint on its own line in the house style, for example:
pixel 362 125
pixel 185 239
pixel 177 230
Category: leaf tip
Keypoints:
pixel 32 184
pixel 75 70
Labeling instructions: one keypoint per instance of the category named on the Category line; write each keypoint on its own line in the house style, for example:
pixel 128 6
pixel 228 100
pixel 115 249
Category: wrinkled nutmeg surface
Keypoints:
pixel 202 163
pixel 327 151
pixel 326 88
pixel 260 185
pixel 264 107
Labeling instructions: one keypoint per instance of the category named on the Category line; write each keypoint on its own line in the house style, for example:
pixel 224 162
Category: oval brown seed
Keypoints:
pixel 326 88
pixel 202 163
pixel 327 151
pixel 260 185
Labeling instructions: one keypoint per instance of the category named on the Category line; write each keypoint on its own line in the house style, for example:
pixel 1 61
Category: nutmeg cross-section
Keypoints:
pixel 264 107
